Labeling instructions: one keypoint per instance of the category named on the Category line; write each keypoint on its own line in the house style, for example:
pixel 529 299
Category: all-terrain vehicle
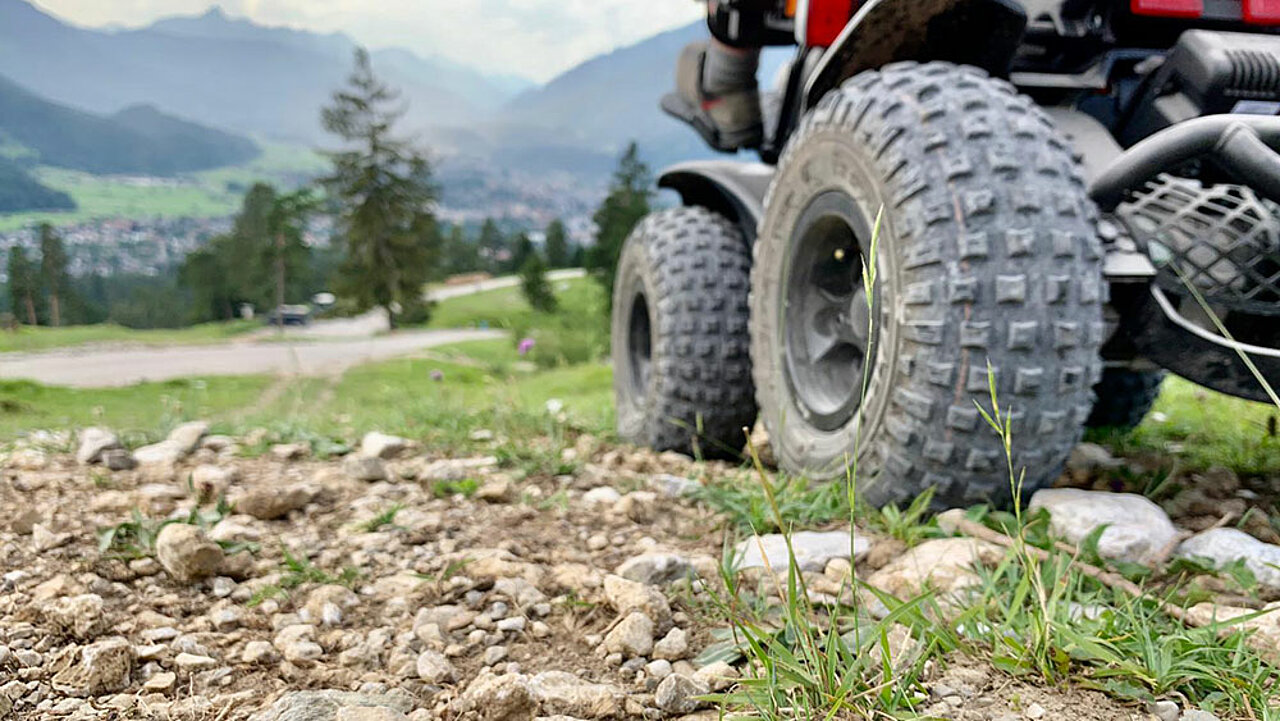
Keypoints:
pixel 1079 193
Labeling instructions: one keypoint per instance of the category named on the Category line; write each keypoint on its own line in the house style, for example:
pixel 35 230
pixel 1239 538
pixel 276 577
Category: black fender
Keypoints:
pixel 733 189
pixel 984 33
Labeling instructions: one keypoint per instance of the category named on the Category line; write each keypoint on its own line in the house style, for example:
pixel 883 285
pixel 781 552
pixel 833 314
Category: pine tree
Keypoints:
pixel 521 253
pixel 23 285
pixel 382 185
pixel 558 253
pixel 624 207
pixel 491 243
pixel 533 283
pixel 53 271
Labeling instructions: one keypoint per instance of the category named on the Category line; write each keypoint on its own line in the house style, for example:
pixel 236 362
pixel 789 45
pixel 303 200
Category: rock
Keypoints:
pixel 25 520
pixel 455 469
pixel 80 616
pixel 658 668
pixel 1164 710
pixel 291 451
pixel 43 539
pixel 211 482
pixel 1090 457
pixel 498 490
pixel 499 698
pixel 328 704
pixel 163 453
pixel 330 594
pixel 102 667
pixel 194 662
pixel 672 647
pixel 632 636
pixel 812 548
pixel 1265 628
pixel 256 652
pixel 1137 529
pixel 93 441
pixel 434 668
pixel 381 445
pixel 560 692
pixel 296 643
pixel 601 495
pixel 161 682
pixel 1195 714
pixel 186 552
pixel 673 486
pixel 267 504
pixel 676 694
pixel 655 568
pixel 1222 546
pixel 369 713
pixel 717 675
pixel 1034 711
pixel 942 564
pixel 494 655
pixel 119 459
pixel 360 467
pixel 186 437
pixel 626 596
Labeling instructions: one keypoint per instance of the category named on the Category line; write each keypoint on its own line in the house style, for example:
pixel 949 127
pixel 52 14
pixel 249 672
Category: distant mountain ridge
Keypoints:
pixel 229 73
pixel 139 140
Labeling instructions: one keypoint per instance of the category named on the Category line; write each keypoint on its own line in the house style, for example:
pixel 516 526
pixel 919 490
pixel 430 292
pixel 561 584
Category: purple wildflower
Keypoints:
pixel 526 345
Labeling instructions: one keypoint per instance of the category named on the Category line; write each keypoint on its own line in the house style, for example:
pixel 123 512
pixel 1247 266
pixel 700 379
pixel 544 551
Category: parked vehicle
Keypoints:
pixel 1073 196
pixel 296 315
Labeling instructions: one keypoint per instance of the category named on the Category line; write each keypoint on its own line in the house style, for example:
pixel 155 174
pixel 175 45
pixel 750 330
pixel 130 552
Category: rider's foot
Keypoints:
pixel 728 121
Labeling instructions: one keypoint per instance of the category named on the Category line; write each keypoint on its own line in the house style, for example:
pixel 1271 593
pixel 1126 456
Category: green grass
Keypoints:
pixel 507 308
pixel 28 338
pixel 140 412
pixel 1203 428
pixel 205 194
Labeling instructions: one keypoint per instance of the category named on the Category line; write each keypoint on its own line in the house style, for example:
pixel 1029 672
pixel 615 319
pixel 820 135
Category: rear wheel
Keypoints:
pixel 1124 397
pixel 682 370
pixel 986 255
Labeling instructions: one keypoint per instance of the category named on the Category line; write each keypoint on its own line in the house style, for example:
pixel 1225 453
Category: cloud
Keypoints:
pixel 534 38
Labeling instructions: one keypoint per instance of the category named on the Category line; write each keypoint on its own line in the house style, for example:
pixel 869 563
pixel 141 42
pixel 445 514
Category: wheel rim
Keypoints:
pixel 825 317
pixel 639 344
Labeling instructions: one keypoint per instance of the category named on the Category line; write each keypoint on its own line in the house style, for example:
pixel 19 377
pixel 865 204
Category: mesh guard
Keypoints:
pixel 1223 238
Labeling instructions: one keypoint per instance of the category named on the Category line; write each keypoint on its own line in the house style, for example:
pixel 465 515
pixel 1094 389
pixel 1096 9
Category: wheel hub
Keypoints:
pixel 826 318
pixel 639 343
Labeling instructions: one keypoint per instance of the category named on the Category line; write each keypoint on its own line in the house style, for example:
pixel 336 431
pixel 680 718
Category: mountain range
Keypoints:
pixel 269 82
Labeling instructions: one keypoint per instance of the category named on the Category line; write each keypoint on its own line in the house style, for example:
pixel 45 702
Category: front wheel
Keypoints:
pixel 986 258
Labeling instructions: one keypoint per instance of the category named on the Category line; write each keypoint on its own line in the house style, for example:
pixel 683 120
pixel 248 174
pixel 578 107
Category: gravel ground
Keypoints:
pixel 390 584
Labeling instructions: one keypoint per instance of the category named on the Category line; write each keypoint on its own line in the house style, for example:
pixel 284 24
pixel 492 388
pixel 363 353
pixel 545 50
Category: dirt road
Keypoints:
pixel 323 347
pixel 103 367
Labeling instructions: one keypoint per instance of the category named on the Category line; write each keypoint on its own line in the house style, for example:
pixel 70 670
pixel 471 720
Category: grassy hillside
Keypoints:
pixel 202 194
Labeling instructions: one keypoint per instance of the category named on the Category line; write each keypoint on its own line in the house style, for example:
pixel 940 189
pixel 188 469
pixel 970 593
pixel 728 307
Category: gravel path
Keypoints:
pixel 106 367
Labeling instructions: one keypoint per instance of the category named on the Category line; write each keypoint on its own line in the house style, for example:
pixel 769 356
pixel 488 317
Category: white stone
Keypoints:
pixel 559 692
pixel 601 495
pixel 1223 546
pixel 1137 529
pixel 434 668
pixel 655 568
pixel 93 441
pixel 186 552
pixel 381 445
pixel 359 467
pixel 632 636
pixel 672 647
pixel 813 549
pixel 677 694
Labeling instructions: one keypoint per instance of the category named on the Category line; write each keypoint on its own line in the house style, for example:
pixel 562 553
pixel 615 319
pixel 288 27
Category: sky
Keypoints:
pixel 536 39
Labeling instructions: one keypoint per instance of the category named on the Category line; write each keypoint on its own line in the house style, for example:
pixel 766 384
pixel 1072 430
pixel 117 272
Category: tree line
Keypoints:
pixel 387 242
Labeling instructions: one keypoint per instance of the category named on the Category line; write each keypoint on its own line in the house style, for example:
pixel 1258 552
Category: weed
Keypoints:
pixel 385 518
pixel 447 489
